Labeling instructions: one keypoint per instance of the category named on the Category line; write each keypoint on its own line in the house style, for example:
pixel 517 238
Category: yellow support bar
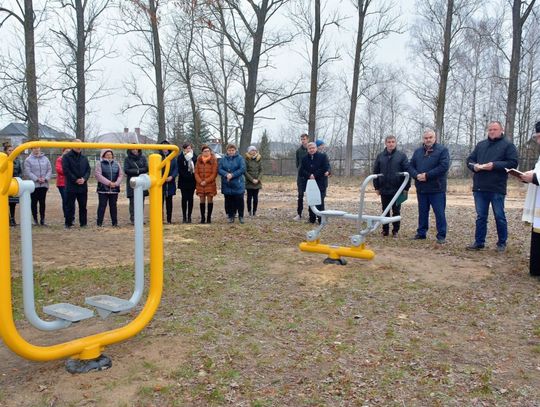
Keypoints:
pixel 89 347
pixel 335 252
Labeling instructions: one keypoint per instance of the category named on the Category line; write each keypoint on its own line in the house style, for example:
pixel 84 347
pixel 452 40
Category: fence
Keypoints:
pixel 360 167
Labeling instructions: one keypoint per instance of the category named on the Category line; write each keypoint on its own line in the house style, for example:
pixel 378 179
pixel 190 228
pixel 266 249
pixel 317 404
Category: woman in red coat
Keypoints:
pixel 61 179
pixel 205 177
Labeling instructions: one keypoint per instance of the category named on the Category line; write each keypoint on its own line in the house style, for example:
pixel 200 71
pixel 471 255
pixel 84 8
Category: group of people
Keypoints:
pixel 429 165
pixel 188 172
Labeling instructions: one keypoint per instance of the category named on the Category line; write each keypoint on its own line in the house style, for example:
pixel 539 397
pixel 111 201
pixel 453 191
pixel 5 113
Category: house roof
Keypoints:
pixel 122 137
pixel 45 132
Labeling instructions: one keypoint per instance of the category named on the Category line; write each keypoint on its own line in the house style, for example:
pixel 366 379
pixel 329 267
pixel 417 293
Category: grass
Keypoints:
pixel 246 319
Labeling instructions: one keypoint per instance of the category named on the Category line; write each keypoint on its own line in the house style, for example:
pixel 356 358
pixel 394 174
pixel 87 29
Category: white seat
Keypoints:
pixel 331 212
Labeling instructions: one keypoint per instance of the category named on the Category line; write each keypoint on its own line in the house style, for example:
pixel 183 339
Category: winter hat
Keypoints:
pixel 104 151
pixel 251 148
pixel 164 142
pixel 537 127
pixel 319 143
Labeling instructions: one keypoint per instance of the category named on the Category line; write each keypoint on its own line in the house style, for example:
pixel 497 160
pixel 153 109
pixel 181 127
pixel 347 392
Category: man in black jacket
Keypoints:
pixel 77 171
pixel 301 152
pixel 488 161
pixel 314 166
pixel 389 163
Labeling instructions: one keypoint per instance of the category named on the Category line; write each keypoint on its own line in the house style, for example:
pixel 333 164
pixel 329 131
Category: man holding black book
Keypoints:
pixel 489 161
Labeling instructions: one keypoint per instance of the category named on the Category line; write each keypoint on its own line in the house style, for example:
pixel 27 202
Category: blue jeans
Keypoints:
pixel 437 201
pixel 481 203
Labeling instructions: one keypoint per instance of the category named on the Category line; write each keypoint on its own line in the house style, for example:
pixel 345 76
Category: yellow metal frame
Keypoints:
pixel 89 347
pixel 335 252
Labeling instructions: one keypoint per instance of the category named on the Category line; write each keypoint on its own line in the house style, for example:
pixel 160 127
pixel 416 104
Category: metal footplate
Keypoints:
pixel 68 312
pixel 107 304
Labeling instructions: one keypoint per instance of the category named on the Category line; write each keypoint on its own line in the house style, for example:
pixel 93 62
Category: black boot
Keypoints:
pixel 210 209
pixel 202 206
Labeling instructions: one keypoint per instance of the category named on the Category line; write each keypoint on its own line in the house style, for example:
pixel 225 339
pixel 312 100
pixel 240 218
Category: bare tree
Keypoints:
pixel 218 71
pixel 520 13
pixel 367 33
pixel 244 29
pixel 141 17
pixel 82 50
pixel 311 24
pixel 437 36
pixel 26 17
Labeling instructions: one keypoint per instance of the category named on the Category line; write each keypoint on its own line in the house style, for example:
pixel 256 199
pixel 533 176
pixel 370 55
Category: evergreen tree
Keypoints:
pixel 200 137
pixel 264 146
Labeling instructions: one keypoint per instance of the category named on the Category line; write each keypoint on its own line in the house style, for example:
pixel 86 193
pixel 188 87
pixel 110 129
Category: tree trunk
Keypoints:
pixel 314 73
pixel 30 72
pixel 445 68
pixel 253 72
pixel 511 101
pixel 160 91
pixel 80 125
pixel 354 88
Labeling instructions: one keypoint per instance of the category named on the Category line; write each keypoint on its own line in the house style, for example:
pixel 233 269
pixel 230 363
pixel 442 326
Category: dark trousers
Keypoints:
pixel 38 197
pixel 187 202
pixel 103 201
pixel 131 207
pixel 233 204
pixel 168 202
pixel 12 206
pixel 395 211
pixel 252 200
pixel 301 185
pixel 437 201
pixel 320 207
pixel 62 191
pixel 82 198
pixel 534 266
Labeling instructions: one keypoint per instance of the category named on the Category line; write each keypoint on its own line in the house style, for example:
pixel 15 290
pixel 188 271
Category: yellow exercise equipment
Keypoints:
pixel 365 224
pixel 88 348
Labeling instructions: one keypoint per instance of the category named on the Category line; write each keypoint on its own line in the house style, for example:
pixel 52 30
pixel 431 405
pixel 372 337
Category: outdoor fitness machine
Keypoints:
pixel 365 224
pixel 86 352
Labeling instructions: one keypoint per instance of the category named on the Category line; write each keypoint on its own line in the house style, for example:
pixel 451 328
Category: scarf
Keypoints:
pixel 531 210
pixel 428 150
pixel 189 158
pixel 206 159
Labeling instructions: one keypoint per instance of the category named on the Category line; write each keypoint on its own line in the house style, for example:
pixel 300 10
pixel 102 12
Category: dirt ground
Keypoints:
pixel 466 321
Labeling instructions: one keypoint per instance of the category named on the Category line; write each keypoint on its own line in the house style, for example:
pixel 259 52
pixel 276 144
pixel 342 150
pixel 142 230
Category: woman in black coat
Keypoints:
pixel 17 172
pixel 135 164
pixel 186 180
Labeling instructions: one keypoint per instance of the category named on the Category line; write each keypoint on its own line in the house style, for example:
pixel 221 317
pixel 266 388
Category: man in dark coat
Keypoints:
pixel 301 152
pixel 488 161
pixel 314 166
pixel 389 163
pixel 429 167
pixel 77 171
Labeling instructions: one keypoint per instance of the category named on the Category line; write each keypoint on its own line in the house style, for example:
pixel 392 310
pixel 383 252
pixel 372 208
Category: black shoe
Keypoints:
pixel 475 246
pixel 241 220
pixel 419 237
pixel 384 233
pixel 12 222
pixel 68 226
pixel 189 220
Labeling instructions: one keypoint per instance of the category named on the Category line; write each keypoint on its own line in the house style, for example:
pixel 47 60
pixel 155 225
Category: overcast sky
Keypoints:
pixel 107 116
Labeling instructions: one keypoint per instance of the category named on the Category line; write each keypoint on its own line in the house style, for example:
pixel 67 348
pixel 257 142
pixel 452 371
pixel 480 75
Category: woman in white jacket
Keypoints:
pixel 37 168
